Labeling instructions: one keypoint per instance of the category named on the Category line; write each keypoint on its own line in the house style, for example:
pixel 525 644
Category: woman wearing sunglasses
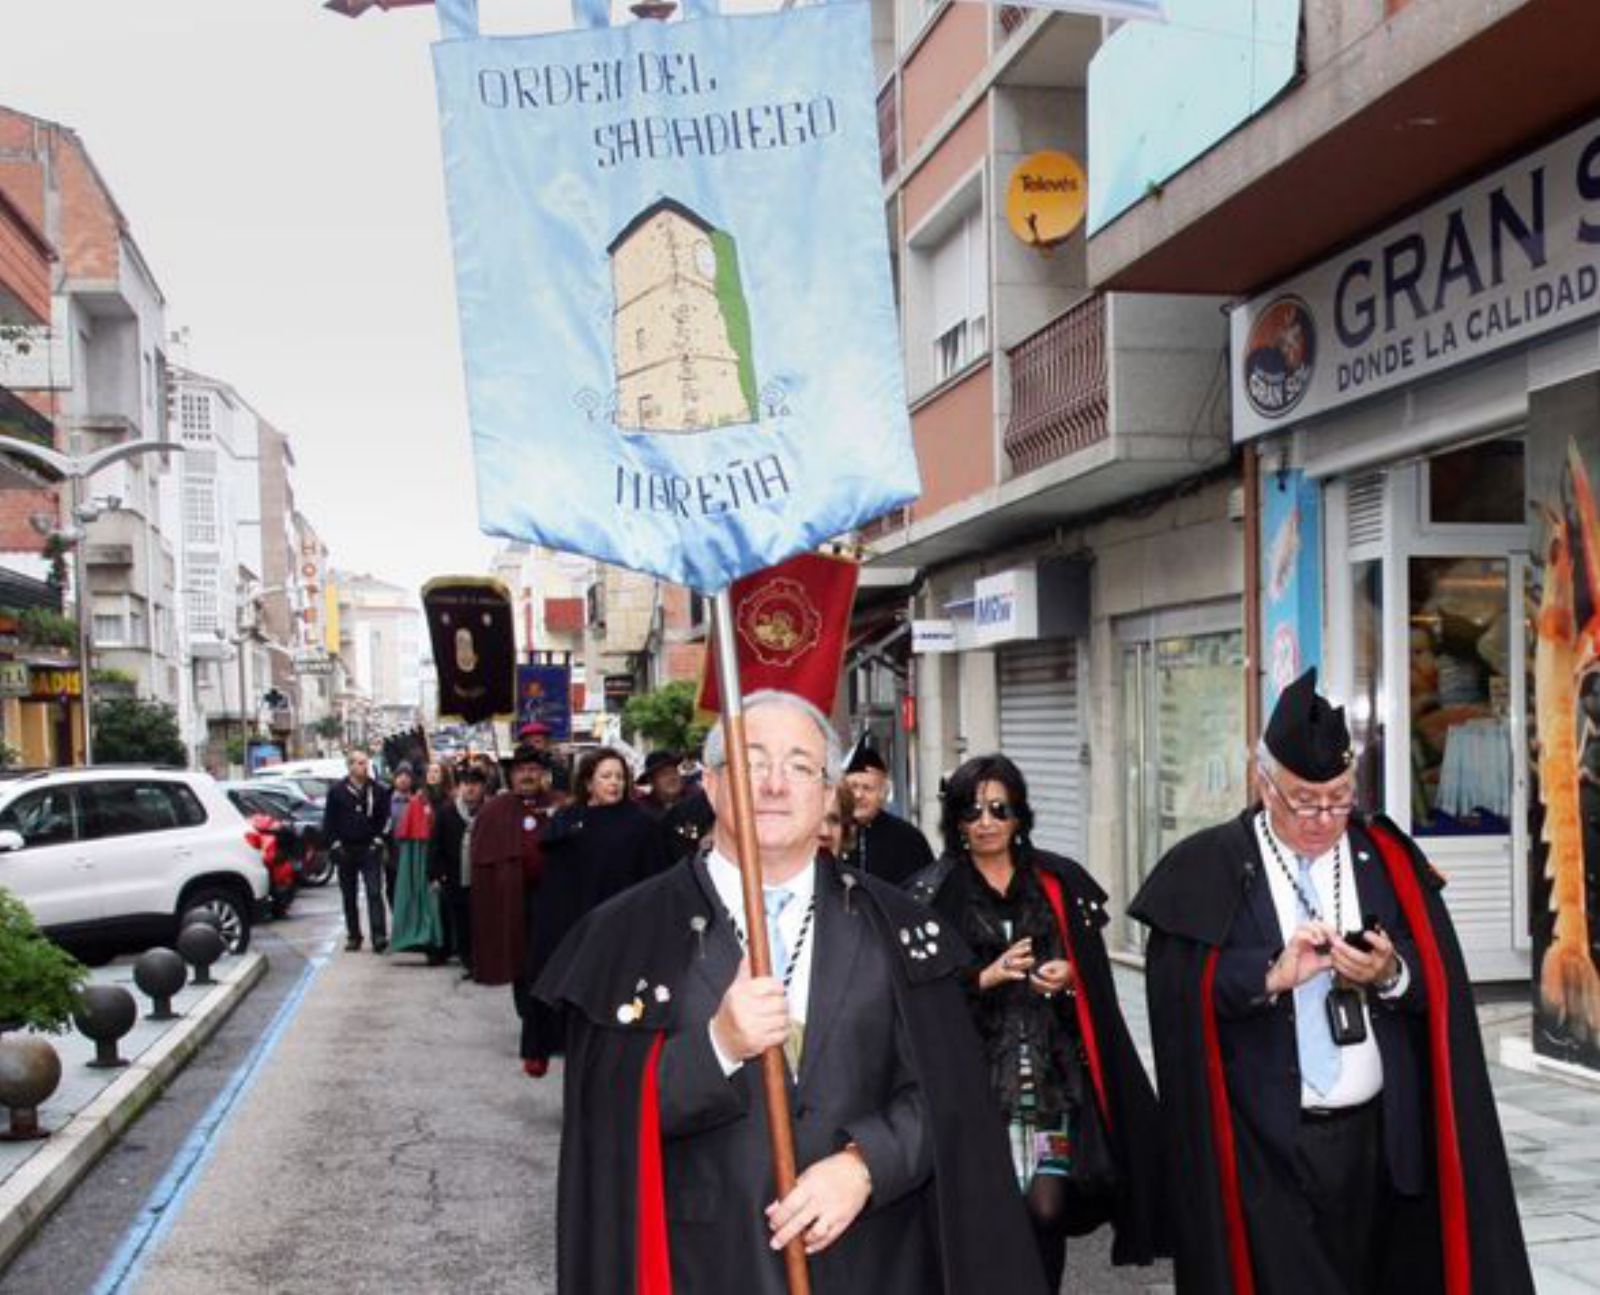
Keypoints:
pixel 1062 1069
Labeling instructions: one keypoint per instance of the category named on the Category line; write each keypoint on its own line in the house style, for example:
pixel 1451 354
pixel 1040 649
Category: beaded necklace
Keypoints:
pixel 1308 902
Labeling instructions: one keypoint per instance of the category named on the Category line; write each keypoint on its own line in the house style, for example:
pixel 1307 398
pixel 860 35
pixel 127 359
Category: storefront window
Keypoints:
pixel 1478 485
pixel 1183 739
pixel 1460 697
pixel 1366 709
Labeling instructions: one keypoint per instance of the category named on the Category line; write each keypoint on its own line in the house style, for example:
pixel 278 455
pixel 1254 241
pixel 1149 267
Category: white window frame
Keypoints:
pixel 938 355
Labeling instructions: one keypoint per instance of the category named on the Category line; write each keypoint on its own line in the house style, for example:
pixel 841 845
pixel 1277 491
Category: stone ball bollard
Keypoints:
pixel 160 973
pixel 30 1071
pixel 204 916
pixel 105 1013
pixel 201 944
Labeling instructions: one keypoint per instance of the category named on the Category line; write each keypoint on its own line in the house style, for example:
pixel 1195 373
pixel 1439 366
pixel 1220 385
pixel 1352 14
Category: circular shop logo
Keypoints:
pixel 779 622
pixel 1280 357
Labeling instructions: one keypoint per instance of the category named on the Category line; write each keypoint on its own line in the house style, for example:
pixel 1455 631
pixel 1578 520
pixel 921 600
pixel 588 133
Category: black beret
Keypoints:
pixel 1306 735
pixel 471 773
pixel 657 761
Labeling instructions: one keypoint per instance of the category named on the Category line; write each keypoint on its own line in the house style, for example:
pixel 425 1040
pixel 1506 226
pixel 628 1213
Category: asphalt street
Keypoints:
pixel 365 1127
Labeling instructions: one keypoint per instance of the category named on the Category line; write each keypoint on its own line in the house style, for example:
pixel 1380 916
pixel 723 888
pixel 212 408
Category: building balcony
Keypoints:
pixel 1060 399
pixel 1114 398
pixel 1390 111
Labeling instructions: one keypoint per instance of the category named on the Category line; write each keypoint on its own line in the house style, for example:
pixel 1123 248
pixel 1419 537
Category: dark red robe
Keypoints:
pixel 507 863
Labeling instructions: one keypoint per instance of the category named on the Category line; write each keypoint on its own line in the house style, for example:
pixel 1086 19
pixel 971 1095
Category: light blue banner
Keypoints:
pixel 672 267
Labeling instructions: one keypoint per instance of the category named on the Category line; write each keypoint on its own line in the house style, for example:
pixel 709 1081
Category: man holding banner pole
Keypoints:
pixel 667 1179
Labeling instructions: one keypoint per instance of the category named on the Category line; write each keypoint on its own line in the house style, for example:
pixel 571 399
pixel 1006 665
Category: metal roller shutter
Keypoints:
pixel 1041 729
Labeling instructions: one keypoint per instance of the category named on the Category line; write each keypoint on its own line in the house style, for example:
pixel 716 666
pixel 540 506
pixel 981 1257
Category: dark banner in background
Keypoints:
pixel 544 696
pixel 474 647
pixel 1563 459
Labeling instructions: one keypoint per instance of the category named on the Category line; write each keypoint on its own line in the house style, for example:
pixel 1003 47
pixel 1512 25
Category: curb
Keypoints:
pixel 29 1196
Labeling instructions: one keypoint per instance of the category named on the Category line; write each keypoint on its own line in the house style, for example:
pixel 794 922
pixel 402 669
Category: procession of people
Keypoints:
pixel 964 1090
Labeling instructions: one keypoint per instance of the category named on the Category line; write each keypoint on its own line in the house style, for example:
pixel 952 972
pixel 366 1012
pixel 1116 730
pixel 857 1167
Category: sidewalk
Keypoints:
pixel 1552 1132
pixel 91 1108
pixel 388 1143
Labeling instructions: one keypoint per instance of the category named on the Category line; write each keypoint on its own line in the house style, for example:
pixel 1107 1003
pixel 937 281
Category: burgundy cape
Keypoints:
pixel 506 861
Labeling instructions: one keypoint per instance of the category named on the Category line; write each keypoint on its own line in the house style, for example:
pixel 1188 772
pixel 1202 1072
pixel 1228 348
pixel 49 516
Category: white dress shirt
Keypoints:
pixel 1360 1065
pixel 730 890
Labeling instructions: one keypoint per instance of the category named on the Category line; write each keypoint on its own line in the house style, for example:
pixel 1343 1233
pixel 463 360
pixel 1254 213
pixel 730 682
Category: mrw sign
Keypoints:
pixel 672 268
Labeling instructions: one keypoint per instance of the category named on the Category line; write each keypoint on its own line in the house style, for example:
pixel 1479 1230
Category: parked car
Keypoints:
pixel 313 777
pixel 121 855
pixel 282 799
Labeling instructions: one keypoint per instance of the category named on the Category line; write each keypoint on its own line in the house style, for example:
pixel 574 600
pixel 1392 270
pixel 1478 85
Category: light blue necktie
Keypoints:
pixel 1319 1054
pixel 776 899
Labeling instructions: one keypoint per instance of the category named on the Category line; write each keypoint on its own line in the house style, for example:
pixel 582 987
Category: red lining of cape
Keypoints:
pixel 1227 1154
pixel 653 1262
pixel 1452 1181
pixel 1091 1040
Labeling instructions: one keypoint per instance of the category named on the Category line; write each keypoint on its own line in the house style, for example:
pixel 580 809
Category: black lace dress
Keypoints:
pixel 1035 1070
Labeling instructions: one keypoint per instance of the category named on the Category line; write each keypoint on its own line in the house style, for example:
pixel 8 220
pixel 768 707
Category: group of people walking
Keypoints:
pixel 964 1090
pixel 489 877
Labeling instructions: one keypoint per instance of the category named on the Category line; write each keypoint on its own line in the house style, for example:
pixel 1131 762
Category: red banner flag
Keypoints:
pixel 790 622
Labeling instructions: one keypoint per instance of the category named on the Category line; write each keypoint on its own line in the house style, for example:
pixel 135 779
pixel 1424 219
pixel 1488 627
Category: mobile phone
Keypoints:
pixel 1358 939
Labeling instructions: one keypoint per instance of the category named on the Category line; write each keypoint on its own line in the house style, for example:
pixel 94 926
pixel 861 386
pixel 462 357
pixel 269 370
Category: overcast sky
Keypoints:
pixel 279 165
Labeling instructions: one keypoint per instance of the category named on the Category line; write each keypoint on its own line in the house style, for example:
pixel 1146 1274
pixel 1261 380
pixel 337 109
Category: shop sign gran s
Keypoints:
pixel 1491 266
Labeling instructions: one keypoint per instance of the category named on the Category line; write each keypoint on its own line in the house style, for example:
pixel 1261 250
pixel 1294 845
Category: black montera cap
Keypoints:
pixel 864 758
pixel 1306 735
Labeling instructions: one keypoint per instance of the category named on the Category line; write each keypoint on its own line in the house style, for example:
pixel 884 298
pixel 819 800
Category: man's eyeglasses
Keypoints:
pixel 793 769
pixel 1303 809
pixel 995 809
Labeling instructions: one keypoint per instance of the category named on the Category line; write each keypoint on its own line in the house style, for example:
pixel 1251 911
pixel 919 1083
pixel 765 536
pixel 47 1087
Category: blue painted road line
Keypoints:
pixel 162 1207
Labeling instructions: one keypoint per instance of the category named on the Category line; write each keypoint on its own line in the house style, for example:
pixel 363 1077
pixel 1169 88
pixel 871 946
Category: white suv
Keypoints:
pixel 125 853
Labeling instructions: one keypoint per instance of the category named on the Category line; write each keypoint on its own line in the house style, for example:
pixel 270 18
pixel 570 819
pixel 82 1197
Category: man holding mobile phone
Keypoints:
pixel 1322 1079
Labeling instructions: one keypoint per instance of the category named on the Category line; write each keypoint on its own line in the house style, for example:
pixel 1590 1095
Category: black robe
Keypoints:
pixel 627 977
pixel 591 852
pixel 1451 1220
pixel 1138 1210
pixel 890 848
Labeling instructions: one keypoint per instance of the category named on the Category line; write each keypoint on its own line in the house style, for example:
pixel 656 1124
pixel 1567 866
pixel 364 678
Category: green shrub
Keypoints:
pixel 39 981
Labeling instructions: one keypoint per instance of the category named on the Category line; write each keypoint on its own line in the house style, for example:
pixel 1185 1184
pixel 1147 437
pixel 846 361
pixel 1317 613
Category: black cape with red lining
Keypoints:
pixel 1137 1212
pixel 1462 1236
pixel 610 1211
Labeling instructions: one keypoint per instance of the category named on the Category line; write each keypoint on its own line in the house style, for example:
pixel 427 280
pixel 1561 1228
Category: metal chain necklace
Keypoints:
pixel 1313 909
pixel 799 940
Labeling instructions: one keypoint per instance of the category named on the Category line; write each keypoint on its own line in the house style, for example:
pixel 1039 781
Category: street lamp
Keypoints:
pixel 77 468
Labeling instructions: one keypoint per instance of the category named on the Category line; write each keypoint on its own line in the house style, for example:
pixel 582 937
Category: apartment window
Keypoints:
pixel 202 594
pixel 194 411
pixel 109 629
pixel 138 628
pixel 199 511
pixel 960 275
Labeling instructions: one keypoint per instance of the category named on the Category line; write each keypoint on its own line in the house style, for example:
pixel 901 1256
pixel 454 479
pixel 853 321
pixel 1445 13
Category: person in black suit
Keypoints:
pixel 355 817
pixel 905 1184
pixel 1323 1086
pixel 885 846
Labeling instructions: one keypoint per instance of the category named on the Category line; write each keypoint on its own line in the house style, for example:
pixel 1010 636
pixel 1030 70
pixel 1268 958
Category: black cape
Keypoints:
pixel 889 848
pixel 1138 1210
pixel 1462 1236
pixel 610 1175
pixel 591 853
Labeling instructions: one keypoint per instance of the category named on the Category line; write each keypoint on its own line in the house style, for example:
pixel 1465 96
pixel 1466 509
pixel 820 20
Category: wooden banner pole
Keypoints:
pixel 774 1073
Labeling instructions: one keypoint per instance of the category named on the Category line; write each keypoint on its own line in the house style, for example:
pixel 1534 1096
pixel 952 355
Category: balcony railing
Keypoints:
pixel 889 128
pixel 1058 388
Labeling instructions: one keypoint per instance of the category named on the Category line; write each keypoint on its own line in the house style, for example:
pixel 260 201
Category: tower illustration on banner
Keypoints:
pixel 680 324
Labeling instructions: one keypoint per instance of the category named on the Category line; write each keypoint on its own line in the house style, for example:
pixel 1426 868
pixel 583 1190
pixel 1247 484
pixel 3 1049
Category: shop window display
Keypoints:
pixel 1461 777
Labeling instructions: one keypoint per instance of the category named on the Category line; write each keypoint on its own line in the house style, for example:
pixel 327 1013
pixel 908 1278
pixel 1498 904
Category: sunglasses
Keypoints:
pixel 996 809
